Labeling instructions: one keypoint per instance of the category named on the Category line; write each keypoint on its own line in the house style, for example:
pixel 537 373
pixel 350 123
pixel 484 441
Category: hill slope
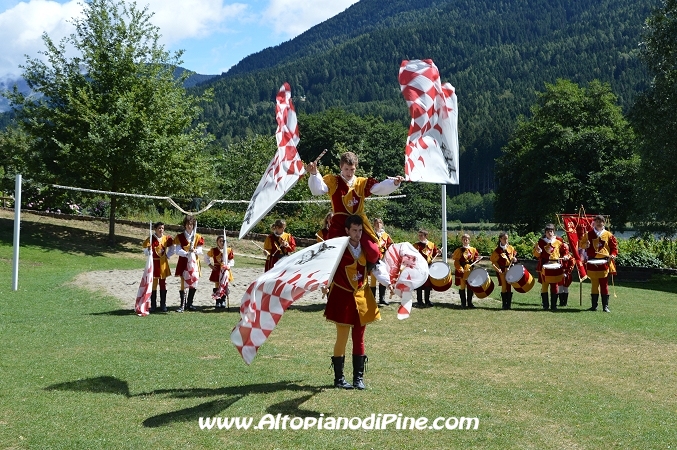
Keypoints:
pixel 497 55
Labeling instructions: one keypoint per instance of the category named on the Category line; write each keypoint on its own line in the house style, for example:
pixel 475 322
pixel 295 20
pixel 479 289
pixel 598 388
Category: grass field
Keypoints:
pixel 78 371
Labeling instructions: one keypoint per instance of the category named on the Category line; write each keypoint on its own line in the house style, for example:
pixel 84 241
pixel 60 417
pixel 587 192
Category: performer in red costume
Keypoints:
pixel 600 244
pixel 347 193
pixel 350 304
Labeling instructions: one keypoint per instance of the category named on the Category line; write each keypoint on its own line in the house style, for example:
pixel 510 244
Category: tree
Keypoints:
pixel 577 149
pixel 653 118
pixel 113 117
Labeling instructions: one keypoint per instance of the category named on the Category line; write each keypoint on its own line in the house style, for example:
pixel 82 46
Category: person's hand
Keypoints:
pixel 398 180
pixel 538 249
pixel 146 251
pixel 325 290
pixel 311 168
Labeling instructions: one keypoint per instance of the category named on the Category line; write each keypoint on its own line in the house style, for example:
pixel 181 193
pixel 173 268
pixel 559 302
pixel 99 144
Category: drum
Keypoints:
pixel 553 273
pixel 440 276
pixel 597 268
pixel 480 282
pixel 520 279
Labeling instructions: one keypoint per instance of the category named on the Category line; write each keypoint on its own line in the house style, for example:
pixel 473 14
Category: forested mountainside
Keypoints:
pixel 496 53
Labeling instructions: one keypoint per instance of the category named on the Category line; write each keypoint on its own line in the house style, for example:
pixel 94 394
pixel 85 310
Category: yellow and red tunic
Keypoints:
pixel 501 258
pixel 463 257
pixel 182 241
pixel 216 254
pixel 601 246
pixel 275 248
pixel 160 262
pixel 350 301
pixel 550 252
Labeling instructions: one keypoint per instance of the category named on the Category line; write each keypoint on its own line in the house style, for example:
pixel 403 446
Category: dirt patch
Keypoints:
pixel 123 285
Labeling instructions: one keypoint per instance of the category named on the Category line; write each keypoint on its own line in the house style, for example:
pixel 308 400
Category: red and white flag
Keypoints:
pixel 269 296
pixel 431 154
pixel 190 275
pixel 142 304
pixel 408 271
pixel 575 226
pixel 223 281
pixel 284 170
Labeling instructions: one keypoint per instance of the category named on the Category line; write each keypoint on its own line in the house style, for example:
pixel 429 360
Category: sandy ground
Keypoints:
pixel 123 284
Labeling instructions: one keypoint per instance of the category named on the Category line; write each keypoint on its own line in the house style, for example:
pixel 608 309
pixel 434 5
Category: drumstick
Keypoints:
pixel 318 235
pixel 481 257
pixel 267 252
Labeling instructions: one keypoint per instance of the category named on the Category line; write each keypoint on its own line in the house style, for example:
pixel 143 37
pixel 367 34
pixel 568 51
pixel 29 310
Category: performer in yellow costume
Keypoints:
pixel 162 248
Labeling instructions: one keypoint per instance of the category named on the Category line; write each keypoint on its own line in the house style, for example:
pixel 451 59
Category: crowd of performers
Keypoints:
pixel 351 295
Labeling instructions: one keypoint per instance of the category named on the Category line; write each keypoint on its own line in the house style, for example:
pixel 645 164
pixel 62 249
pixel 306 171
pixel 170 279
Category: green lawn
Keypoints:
pixel 78 371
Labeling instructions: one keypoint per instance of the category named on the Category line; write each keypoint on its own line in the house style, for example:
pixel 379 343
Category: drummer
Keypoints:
pixel 502 258
pixel 568 265
pixel 463 258
pixel 429 251
pixel 599 243
pixel 549 250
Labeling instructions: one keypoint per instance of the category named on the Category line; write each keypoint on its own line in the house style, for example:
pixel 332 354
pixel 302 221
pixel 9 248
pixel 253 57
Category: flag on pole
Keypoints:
pixel 284 170
pixel 408 271
pixel 575 226
pixel 269 296
pixel 431 153
pixel 142 304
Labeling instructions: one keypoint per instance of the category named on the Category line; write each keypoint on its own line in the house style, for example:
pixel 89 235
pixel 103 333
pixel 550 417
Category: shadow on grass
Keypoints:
pixel 65 239
pixel 113 385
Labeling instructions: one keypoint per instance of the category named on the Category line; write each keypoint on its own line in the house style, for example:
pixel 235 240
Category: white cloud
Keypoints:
pixel 290 18
pixel 185 19
pixel 21 29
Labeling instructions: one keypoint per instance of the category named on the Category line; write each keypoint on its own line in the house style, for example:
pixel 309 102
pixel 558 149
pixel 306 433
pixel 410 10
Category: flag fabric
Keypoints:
pixel 190 275
pixel 224 278
pixel 408 271
pixel 575 226
pixel 284 169
pixel 269 296
pixel 431 153
pixel 142 304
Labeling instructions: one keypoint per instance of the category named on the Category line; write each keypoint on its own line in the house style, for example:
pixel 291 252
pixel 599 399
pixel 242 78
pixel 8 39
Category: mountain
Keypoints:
pixel 497 54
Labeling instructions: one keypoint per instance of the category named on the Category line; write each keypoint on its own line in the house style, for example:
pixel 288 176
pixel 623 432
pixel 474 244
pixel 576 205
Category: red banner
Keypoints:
pixel 575 226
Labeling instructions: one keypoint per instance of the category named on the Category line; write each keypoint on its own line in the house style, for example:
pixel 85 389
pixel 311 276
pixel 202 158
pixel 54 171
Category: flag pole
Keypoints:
pixel 225 261
pixel 444 223
pixel 17 230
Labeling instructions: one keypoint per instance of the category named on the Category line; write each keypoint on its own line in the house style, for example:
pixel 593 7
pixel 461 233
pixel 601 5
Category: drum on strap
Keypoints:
pixel 553 273
pixel 597 268
pixel 480 282
pixel 440 277
pixel 519 278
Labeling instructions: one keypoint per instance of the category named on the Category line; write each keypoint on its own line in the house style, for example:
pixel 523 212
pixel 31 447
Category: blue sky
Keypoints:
pixel 215 34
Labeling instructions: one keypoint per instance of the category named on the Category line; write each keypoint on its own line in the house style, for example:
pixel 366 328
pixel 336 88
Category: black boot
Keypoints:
pixel 509 300
pixel 605 303
pixel 427 297
pixel 470 294
pixel 339 380
pixel 359 364
pixel 382 295
pixel 563 298
pixel 182 295
pixel 504 300
pixel 153 301
pixel 595 300
pixel 419 297
pixel 553 301
pixel 163 301
pixel 189 301
pixel 544 300
pixel 461 292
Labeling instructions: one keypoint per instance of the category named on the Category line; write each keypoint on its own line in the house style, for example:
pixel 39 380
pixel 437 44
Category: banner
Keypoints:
pixel 269 296
pixel 431 153
pixel 284 170
pixel 575 226
pixel 142 304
